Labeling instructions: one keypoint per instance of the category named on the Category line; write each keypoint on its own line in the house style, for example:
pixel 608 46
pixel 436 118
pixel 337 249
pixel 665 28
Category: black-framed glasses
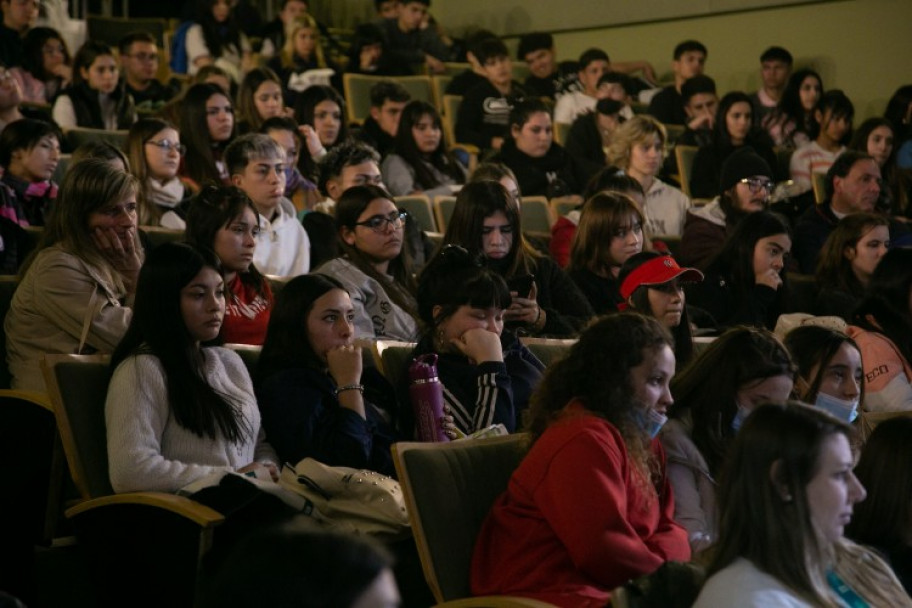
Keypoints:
pixel 756 184
pixel 166 145
pixel 378 223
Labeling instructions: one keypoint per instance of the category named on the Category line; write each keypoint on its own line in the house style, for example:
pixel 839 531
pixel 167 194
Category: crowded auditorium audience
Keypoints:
pixel 264 227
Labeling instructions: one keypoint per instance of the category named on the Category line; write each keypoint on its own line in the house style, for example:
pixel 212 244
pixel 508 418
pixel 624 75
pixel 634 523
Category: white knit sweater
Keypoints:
pixel 148 450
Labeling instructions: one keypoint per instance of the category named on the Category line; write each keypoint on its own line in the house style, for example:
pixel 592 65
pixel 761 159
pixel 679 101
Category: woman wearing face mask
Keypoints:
pixel 420 162
pixel 652 284
pixel 786 496
pixel 375 267
pixel 487 374
pixel 829 370
pixel 882 328
pixel 745 283
pixel 637 148
pixel 316 398
pixel 96 99
pixel 542 166
pixel 735 127
pixel 592 421
pixel 740 370
pixel 847 260
pixel 883 521
pixel 746 184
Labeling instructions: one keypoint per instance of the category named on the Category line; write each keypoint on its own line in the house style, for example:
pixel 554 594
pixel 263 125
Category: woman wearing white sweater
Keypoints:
pixel 180 411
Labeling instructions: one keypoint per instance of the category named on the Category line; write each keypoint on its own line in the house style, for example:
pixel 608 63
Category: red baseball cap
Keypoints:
pixel 656 272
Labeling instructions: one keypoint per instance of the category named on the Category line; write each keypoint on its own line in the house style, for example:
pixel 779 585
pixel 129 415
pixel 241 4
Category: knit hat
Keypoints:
pixel 742 163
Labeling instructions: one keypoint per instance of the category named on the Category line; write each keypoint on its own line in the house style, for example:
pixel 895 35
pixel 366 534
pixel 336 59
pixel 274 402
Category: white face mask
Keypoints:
pixel 738 420
pixel 847 411
pixel 651 422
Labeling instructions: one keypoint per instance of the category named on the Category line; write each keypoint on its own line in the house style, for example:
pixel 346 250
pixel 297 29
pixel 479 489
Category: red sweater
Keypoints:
pixel 574 522
pixel 246 313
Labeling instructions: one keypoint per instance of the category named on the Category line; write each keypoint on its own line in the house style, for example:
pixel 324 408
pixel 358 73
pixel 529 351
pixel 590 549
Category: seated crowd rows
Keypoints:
pixel 646 445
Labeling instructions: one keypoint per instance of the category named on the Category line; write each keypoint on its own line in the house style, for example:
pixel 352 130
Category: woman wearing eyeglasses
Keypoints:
pixel 746 185
pixel 374 268
pixel 155 154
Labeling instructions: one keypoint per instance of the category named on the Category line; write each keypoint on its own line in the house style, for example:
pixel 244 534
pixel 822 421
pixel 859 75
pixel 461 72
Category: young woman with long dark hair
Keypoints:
pixel 207 124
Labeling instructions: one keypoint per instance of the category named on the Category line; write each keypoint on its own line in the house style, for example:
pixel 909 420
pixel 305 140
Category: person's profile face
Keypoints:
pixel 834 489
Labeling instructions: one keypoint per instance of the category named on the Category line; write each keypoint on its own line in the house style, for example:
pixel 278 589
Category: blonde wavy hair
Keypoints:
pixel 288 51
pixel 638 129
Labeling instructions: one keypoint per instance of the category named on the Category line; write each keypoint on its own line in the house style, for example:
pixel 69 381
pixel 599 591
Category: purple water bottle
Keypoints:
pixel 426 394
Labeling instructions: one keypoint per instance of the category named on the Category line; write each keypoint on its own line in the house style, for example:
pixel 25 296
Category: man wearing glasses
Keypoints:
pixel 139 57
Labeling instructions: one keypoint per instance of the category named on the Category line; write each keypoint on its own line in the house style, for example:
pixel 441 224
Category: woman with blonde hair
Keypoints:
pixel 786 495
pixel 848 259
pixel 610 231
pixel 301 62
pixel 637 149
pixel 77 287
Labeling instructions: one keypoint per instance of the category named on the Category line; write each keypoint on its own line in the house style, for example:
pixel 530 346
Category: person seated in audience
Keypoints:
pixel 740 370
pixel 195 417
pixel 139 57
pixel 475 74
pixel 213 74
pixel 882 328
pixel 790 468
pixel 387 9
pixel 637 149
pixel 274 32
pixel 216 38
pixel 541 165
pixel 593 420
pixel 411 44
pixel 852 186
pixel 368 55
pixel 387 99
pixel 420 162
pixel 320 112
pixel 155 154
pixel 96 99
pixel 348 164
pixel 223 220
pixel 792 122
pixel 775 69
pixel 18 17
pixel 591 134
pixel 29 153
pixel 832 128
pixel 847 260
pixel 652 283
pixel 899 113
pixel 487 374
pixel 10 98
pixel 483 116
pixel 746 184
pixel 203 162
pixel 259 99
pixel 746 282
pixel 619 87
pixel 564 229
pixel 375 267
pixel 301 62
pixel 701 105
pixel 311 566
pixel 316 397
pixel 593 64
pixel 107 152
pixel 257 166
pixel 882 521
pixel 47 68
pixel 877 137
pixel 298 189
pixel 667 106
pixel 735 127
pixel 486 221
pixel 77 287
pixel 547 77
pixel 830 375
pixel 610 231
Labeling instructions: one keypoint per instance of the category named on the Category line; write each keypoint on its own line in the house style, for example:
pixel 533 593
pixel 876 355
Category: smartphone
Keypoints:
pixel 521 284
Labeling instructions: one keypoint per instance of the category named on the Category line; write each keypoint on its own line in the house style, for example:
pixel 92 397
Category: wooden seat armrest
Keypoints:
pixel 180 505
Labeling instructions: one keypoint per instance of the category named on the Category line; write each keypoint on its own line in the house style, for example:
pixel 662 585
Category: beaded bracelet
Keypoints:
pixel 349 387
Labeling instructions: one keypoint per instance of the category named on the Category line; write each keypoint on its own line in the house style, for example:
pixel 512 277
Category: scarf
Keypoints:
pixel 167 194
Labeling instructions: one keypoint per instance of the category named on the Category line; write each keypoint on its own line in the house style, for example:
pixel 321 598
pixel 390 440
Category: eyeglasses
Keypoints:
pixel 378 223
pixel 167 145
pixel 755 184
pixel 144 56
